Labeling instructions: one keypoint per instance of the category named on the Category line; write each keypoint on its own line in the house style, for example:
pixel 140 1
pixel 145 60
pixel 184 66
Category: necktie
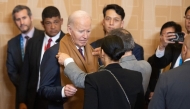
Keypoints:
pixel 80 50
pixel 27 38
pixel 49 44
pixel 180 61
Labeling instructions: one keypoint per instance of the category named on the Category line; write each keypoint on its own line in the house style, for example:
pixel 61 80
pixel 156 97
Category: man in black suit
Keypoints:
pixel 166 53
pixel 114 18
pixel 172 89
pixel 51 21
pixel 22 17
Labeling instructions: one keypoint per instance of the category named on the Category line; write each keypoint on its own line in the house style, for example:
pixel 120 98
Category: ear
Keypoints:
pixel 122 23
pixel 102 53
pixel 184 50
pixel 42 23
pixel 61 20
pixel 103 22
pixel 31 18
pixel 69 29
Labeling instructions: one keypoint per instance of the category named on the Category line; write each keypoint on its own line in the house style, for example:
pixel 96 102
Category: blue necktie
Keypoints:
pixel 180 61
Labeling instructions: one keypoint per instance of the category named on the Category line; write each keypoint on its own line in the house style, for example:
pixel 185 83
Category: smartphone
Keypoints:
pixel 179 37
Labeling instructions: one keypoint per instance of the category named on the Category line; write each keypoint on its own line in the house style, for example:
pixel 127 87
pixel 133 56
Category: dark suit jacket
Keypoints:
pixel 30 73
pixel 137 50
pixel 172 89
pixel 50 82
pixel 172 52
pixel 103 92
pixel 14 60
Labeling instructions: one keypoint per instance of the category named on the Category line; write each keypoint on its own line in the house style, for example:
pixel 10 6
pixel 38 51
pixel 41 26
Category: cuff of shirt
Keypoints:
pixel 62 92
pixel 67 61
pixel 159 53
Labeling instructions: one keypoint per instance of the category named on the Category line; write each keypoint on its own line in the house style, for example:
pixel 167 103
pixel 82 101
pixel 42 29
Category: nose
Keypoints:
pixel 52 25
pixel 111 21
pixel 85 35
pixel 21 21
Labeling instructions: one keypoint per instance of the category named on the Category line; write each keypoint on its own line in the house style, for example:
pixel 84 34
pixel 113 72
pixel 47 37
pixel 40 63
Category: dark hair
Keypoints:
pixel 173 24
pixel 18 8
pixel 187 9
pixel 49 12
pixel 113 47
pixel 126 36
pixel 118 9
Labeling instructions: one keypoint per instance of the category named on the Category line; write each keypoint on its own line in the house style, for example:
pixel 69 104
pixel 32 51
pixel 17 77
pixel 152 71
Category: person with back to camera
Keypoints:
pixel 113 87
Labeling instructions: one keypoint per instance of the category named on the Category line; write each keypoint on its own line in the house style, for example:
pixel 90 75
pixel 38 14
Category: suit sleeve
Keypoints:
pixel 11 67
pixel 91 95
pixel 50 83
pixel 158 100
pixel 138 51
pixel 75 74
pixel 164 60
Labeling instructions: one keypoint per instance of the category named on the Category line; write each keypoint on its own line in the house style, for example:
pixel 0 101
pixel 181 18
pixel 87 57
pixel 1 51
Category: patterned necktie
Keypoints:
pixel 80 50
pixel 27 38
pixel 49 44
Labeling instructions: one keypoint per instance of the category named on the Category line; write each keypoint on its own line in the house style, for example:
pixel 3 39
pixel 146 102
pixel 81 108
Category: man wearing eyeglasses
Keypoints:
pixel 187 19
pixel 29 98
pixel 167 52
pixel 114 18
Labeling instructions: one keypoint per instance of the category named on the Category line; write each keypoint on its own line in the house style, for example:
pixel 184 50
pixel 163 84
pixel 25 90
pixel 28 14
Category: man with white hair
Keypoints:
pixel 75 43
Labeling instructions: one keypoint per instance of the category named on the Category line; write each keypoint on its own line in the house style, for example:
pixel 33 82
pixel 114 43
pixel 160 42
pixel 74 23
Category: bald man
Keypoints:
pixel 75 43
pixel 172 90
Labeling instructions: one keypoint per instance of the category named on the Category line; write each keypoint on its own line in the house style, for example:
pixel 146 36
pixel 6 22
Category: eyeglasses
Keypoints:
pixel 187 17
pixel 115 20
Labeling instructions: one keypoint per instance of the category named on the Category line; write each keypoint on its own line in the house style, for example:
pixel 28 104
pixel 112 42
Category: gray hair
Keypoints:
pixel 126 36
pixel 77 14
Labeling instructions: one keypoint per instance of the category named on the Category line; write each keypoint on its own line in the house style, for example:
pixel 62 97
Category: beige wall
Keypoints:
pixel 143 19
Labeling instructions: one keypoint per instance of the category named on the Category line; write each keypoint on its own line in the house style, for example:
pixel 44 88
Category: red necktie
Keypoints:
pixel 80 50
pixel 49 44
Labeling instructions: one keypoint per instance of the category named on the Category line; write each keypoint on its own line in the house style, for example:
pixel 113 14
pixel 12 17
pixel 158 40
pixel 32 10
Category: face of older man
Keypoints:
pixel 80 31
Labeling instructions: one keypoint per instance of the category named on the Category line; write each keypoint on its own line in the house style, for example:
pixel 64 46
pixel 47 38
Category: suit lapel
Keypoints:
pixel 18 47
pixel 38 47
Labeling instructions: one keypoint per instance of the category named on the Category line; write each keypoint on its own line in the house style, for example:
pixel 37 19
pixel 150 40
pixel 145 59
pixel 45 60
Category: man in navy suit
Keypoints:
pixel 114 18
pixel 28 96
pixel 172 89
pixel 22 17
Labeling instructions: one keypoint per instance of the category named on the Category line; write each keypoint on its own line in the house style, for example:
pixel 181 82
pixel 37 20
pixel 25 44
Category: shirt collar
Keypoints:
pixel 80 47
pixel 188 59
pixel 29 34
pixel 54 38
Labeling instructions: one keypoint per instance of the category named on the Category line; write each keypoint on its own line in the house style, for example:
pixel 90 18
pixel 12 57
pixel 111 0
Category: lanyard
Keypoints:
pixel 22 46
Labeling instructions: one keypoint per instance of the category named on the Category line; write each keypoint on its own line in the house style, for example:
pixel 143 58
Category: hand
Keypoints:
pixel 164 40
pixel 97 52
pixel 61 57
pixel 69 90
pixel 151 95
pixel 22 106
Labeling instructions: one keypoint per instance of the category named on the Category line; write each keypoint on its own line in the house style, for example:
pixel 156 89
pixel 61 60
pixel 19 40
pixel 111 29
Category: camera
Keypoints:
pixel 179 37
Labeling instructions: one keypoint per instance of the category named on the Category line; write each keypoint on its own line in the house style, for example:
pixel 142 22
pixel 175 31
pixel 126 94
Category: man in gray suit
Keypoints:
pixel 127 61
pixel 172 89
